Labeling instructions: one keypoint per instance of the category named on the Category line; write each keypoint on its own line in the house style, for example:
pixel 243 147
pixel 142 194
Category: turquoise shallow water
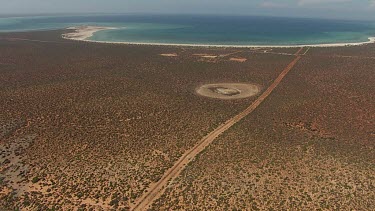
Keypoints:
pixel 218 30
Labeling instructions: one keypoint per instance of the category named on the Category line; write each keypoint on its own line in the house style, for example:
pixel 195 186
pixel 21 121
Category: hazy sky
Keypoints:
pixel 343 9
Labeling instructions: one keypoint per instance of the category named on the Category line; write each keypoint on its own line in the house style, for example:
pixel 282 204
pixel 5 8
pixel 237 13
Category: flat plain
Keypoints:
pixel 310 146
pixel 93 126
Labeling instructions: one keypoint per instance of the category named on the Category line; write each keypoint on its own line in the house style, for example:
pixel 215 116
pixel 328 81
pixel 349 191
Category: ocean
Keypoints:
pixel 204 29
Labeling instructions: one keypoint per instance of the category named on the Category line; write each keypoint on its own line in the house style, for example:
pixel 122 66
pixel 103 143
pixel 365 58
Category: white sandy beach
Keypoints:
pixel 82 33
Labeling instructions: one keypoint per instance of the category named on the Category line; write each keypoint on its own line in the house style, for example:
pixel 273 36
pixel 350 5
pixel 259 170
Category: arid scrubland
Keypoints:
pixel 309 146
pixel 91 126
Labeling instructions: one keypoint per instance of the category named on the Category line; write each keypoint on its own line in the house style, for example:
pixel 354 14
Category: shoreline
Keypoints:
pixel 82 33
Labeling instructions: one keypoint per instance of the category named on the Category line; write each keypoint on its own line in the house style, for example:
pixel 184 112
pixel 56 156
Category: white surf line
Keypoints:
pixel 81 30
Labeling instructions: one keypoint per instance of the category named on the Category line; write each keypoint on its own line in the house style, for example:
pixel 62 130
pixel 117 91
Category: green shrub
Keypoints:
pixel 35 179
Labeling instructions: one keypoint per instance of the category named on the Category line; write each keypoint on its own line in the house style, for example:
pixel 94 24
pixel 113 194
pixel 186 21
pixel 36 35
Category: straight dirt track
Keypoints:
pixel 158 188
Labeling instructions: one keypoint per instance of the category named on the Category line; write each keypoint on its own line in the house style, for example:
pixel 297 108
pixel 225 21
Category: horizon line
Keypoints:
pixel 20 15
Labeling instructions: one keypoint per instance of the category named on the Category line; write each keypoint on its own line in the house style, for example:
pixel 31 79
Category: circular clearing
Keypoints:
pixel 228 91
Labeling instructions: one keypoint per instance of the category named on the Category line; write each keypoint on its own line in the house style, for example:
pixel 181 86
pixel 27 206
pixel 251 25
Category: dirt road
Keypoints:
pixel 157 189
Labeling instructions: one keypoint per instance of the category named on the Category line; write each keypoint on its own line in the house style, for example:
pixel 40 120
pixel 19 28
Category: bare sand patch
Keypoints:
pixel 200 54
pixel 238 59
pixel 169 54
pixel 228 91
pixel 209 57
pixel 206 56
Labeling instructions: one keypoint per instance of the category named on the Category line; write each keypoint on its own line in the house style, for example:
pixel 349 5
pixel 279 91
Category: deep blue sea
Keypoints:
pixel 200 29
